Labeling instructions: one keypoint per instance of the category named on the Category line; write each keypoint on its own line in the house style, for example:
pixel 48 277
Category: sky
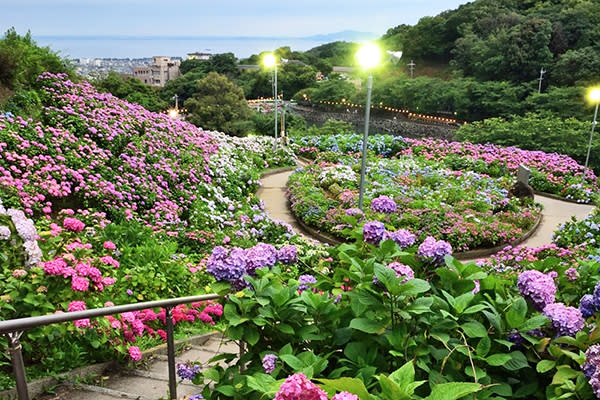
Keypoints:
pixel 262 18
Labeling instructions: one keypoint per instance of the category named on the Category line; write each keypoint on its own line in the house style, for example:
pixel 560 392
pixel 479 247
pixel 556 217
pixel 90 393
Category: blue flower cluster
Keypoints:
pixel 188 370
pixel 590 303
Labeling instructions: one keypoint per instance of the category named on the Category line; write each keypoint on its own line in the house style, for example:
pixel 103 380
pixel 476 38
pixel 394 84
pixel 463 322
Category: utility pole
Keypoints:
pixel 176 98
pixel 411 66
pixel 542 72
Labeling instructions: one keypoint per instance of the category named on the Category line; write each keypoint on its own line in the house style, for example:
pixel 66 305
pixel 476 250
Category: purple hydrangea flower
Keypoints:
pixel 433 251
pixel 566 321
pixel 227 267
pixel 260 256
pixel 572 274
pixel 537 287
pixel 268 363
pixel 586 306
pixel 383 204
pixel 597 296
pixel 196 397
pixel 373 232
pixel 305 280
pixel 402 237
pixel 592 361
pixel 355 212
pixel 188 370
pixel 288 254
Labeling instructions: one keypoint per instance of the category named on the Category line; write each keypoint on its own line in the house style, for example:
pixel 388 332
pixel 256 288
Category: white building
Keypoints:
pixel 162 70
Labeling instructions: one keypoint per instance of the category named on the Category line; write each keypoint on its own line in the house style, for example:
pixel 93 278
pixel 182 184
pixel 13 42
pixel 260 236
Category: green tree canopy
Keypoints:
pixel 219 104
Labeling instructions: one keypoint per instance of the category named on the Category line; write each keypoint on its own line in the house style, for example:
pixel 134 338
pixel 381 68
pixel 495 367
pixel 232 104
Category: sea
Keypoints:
pixel 77 47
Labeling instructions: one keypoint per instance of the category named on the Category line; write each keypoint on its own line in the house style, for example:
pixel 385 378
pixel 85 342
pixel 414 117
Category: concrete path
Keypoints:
pixel 150 379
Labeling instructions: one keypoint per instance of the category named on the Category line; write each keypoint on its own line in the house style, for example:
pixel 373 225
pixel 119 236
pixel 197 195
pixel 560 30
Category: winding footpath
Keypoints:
pixel 555 212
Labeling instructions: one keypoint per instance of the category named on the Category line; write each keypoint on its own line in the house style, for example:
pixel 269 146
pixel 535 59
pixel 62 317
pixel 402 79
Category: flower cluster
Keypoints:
pixel 298 387
pixel 590 367
pixel 26 233
pixel 232 265
pixel 373 232
pixel 402 237
pixel 268 363
pixel 433 251
pixel 402 271
pixel 383 204
pixel 566 321
pixel 304 281
pixel 188 370
pixel 537 287
pixel 345 396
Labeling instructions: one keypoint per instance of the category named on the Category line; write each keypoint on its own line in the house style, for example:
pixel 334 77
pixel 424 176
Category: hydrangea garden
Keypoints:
pixel 103 203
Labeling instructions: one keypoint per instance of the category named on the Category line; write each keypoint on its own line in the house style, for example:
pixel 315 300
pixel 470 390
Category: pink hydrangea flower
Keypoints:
pixel 345 396
pixel 298 387
pixel 73 224
pixel 134 353
pixel 108 245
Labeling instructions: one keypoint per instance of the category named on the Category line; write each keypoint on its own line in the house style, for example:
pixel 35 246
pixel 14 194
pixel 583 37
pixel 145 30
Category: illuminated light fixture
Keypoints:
pixel 594 96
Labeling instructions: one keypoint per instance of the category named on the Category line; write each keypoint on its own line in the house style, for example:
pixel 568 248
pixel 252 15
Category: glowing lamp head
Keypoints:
pixel 368 56
pixel 173 113
pixel 269 60
pixel 594 95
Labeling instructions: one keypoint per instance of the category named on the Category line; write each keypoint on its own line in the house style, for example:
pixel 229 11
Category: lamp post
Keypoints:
pixel 270 61
pixel 594 96
pixel 368 57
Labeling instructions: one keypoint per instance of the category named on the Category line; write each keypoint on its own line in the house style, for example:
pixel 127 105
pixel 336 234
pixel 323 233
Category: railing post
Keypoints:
pixel 171 353
pixel 16 357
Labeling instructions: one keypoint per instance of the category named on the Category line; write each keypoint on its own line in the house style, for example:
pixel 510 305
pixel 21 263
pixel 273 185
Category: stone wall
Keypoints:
pixel 379 124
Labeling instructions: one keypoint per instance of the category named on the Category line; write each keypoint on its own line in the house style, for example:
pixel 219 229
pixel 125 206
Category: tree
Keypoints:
pixel 132 90
pixel 22 61
pixel 218 104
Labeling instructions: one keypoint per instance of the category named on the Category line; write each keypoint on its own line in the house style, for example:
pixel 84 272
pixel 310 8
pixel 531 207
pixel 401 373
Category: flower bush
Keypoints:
pixel 467 209
pixel 382 322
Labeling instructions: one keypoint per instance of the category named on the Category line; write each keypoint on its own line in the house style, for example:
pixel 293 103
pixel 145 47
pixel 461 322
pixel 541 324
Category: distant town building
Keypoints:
pixel 199 56
pixel 162 70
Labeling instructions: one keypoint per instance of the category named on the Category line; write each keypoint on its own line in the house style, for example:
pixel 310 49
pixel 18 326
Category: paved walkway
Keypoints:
pixel 150 379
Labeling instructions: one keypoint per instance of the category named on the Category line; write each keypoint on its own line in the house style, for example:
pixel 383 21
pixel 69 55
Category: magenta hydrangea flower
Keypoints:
pixel 108 245
pixel 433 251
pixel 537 287
pixel 298 387
pixel 383 204
pixel 566 321
pixel 373 232
pixel 73 224
pixel 134 353
pixel 345 396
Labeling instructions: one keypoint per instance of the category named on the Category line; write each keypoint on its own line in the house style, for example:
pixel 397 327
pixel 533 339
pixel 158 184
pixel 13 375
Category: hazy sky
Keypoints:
pixel 214 17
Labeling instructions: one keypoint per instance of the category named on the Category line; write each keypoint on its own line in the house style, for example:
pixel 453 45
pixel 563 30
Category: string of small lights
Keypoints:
pixel 380 106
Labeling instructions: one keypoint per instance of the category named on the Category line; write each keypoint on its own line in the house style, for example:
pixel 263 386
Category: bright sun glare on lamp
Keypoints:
pixel 269 60
pixel 594 95
pixel 369 55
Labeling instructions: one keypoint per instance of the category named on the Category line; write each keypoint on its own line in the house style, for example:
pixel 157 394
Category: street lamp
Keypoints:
pixel 368 57
pixel 594 96
pixel 269 61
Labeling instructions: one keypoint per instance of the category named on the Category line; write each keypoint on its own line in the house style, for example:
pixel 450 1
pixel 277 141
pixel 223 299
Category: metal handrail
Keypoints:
pixel 13 329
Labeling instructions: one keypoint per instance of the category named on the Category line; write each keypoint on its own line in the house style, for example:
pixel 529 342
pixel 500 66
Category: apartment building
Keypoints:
pixel 162 70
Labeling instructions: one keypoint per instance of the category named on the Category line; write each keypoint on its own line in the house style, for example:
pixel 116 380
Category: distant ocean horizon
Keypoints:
pixel 73 47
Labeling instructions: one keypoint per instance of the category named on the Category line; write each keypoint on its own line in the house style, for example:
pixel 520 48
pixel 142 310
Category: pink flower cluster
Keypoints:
pixel 298 387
